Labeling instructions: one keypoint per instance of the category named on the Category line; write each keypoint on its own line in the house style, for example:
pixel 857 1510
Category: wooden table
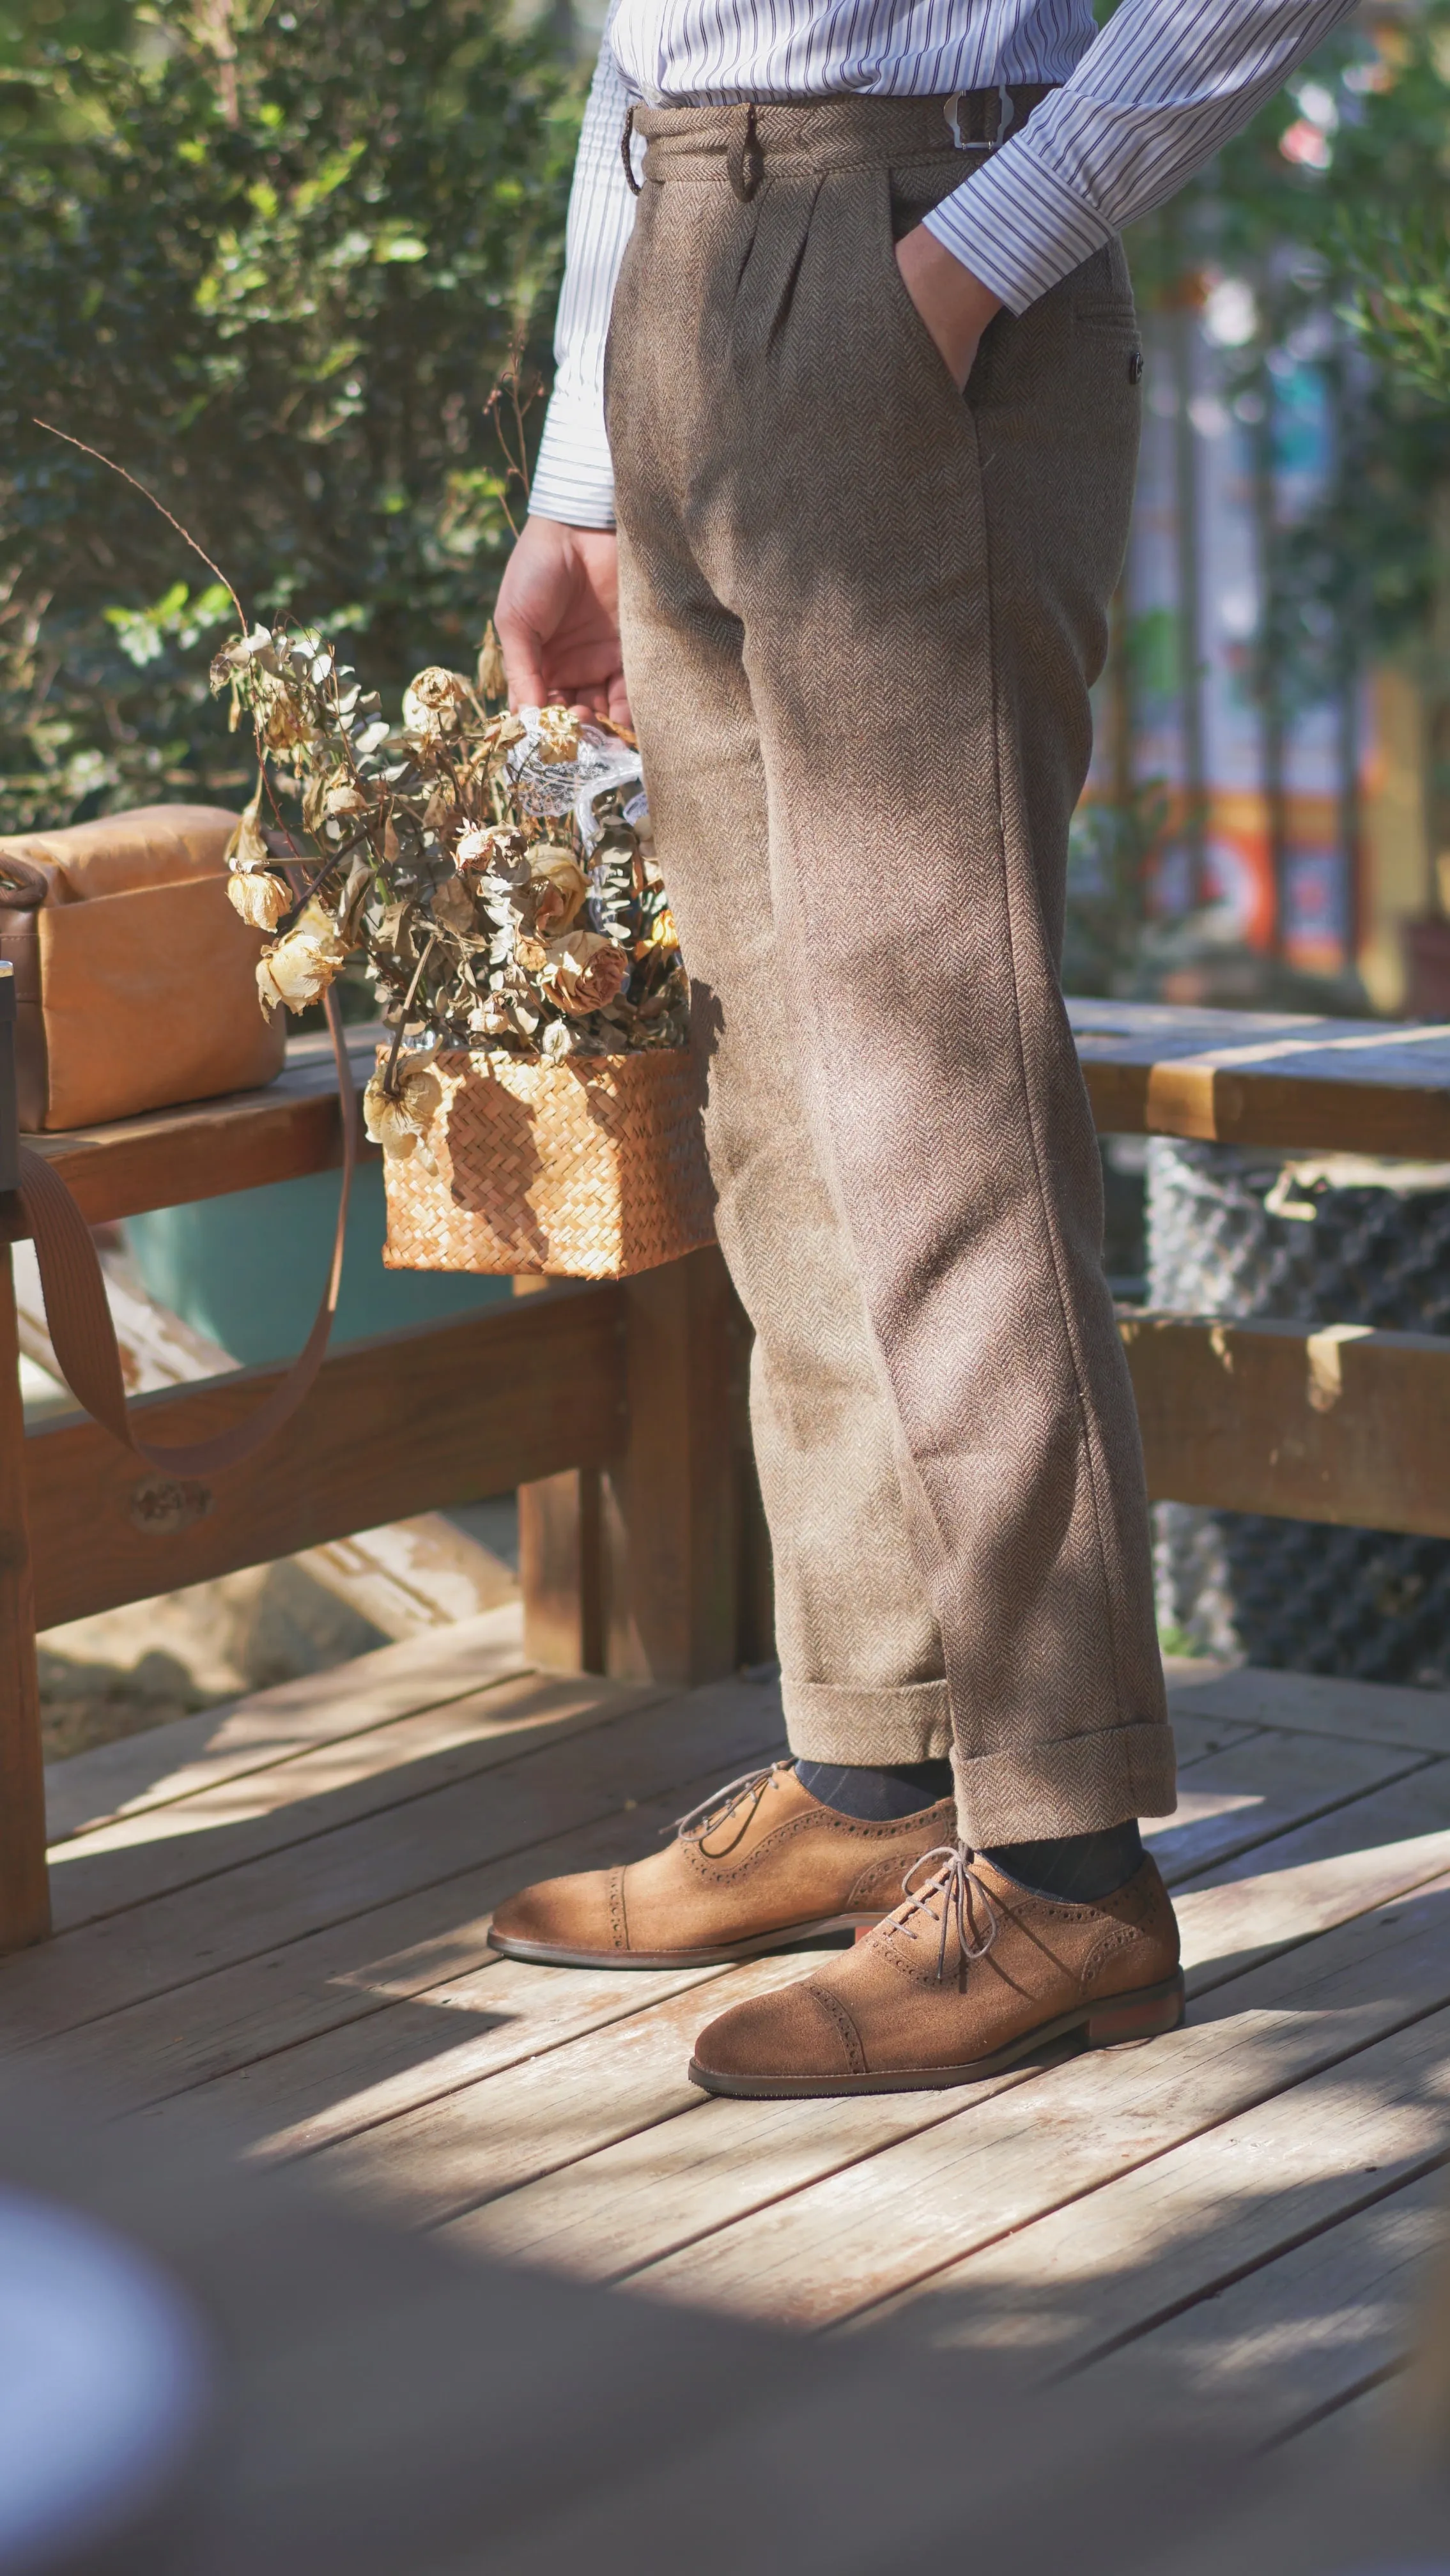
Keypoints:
pixel 619 1410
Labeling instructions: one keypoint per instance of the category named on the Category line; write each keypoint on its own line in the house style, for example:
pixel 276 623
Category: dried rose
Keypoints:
pixel 387 1122
pixel 281 720
pixel 482 846
pixel 558 735
pixel 422 1094
pixel 453 905
pixel 261 899
pixel 246 848
pixel 560 886
pixel 492 677
pixel 531 954
pixel 585 972
pixel 399 1120
pixel 301 966
pixel 436 702
pixel 493 1018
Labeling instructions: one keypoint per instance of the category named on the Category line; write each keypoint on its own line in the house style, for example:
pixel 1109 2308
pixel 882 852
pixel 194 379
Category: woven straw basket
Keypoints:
pixel 589 1169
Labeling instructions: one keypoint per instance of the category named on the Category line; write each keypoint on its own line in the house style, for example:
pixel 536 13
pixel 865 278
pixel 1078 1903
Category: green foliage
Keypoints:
pixel 1110 854
pixel 275 264
pixel 1402 307
pixel 1329 208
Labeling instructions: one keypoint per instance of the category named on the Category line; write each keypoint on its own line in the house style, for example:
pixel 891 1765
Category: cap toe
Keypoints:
pixel 801 2035
pixel 559 1914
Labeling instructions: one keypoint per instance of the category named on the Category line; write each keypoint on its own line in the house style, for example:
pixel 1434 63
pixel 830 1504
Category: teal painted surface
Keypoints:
pixel 249 1269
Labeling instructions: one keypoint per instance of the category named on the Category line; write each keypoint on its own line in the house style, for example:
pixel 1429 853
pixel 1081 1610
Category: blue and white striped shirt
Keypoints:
pixel 1141 106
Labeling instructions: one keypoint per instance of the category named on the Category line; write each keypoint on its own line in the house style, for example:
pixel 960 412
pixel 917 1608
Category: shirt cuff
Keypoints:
pixel 573 479
pixel 1016 227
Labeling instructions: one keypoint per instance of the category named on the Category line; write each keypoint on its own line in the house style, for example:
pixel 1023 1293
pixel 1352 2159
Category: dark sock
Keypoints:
pixel 1075 1868
pixel 855 1789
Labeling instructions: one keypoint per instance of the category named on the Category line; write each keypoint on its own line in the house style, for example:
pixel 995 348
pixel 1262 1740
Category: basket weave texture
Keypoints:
pixel 589 1169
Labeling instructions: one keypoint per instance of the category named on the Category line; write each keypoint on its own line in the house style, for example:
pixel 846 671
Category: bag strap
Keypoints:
pixel 84 1337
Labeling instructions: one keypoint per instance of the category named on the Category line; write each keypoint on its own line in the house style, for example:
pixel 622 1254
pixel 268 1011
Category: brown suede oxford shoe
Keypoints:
pixel 970 1974
pixel 759 1865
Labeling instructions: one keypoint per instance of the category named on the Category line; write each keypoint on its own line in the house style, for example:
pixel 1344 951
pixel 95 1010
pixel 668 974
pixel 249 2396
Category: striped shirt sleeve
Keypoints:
pixel 573 479
pixel 1155 95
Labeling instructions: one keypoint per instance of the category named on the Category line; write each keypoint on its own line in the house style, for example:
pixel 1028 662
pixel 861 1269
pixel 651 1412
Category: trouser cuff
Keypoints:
pixel 1075 1784
pixel 825 1722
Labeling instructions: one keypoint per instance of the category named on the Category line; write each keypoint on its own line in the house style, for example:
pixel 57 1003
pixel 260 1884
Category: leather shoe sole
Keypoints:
pixel 1147 2013
pixel 720 1954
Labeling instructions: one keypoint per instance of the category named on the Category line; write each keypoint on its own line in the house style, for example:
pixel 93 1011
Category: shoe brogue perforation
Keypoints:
pixel 1114 1938
pixel 967 1978
pixel 758 1866
pixel 847 2033
pixel 723 1870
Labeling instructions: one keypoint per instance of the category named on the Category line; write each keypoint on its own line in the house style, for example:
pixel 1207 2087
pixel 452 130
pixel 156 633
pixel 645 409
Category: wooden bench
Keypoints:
pixel 619 1409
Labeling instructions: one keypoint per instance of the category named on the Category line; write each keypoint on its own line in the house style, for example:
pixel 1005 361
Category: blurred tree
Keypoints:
pixel 273 260
pixel 1318 242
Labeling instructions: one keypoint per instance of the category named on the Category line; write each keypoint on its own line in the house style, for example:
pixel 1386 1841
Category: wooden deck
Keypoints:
pixel 275 1920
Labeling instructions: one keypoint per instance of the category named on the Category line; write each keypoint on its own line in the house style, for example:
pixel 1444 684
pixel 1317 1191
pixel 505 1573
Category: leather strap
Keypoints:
pixel 84 1337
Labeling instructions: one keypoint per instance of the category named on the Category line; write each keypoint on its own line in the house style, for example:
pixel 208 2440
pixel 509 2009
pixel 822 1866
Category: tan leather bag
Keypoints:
pixel 135 981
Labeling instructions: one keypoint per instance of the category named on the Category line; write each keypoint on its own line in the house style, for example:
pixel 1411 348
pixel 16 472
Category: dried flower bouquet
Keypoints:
pixel 494 869
pixel 490 866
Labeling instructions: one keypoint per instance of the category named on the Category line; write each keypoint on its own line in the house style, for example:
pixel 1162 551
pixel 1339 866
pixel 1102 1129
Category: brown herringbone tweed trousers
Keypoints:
pixel 861 617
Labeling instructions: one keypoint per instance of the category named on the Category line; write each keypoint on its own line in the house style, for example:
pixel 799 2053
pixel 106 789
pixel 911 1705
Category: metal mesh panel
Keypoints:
pixel 1300 1594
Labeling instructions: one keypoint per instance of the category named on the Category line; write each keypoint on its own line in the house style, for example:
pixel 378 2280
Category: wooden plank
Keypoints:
pixel 205 1149
pixel 1341 1424
pixel 167 1764
pixel 1197 1739
pixel 1101 2274
pixel 1313 1704
pixel 256 2016
pixel 330 2076
pixel 503 1815
pixel 642 2201
pixel 884 2221
pixel 1298 2336
pixel 671 1536
pixel 386 1770
pixel 1352 1085
pixel 779 2144
pixel 306 2034
pixel 24 1897
pixel 364 2073
pixel 1235 1799
pixel 1266 1078
pixel 541 2116
pixel 409 1422
pixel 1361 2425
pixel 1344 1862
pixel 561 1570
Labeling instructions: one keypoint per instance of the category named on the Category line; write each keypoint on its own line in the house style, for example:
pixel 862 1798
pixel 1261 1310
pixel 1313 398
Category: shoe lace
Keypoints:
pixel 961 1889
pixel 720 1806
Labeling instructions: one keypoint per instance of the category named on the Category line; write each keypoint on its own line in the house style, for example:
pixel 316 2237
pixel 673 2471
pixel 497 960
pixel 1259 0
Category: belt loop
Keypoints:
pixel 1006 115
pixel 747 165
pixel 626 152
pixel 952 111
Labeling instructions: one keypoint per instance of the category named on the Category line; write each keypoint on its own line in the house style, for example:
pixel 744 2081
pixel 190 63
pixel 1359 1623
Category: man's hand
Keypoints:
pixel 558 620
pixel 955 306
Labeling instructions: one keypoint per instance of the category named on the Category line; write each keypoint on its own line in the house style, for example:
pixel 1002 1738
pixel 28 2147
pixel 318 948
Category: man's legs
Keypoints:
pixel 860 620
pixel 914 593
pixel 860 1657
